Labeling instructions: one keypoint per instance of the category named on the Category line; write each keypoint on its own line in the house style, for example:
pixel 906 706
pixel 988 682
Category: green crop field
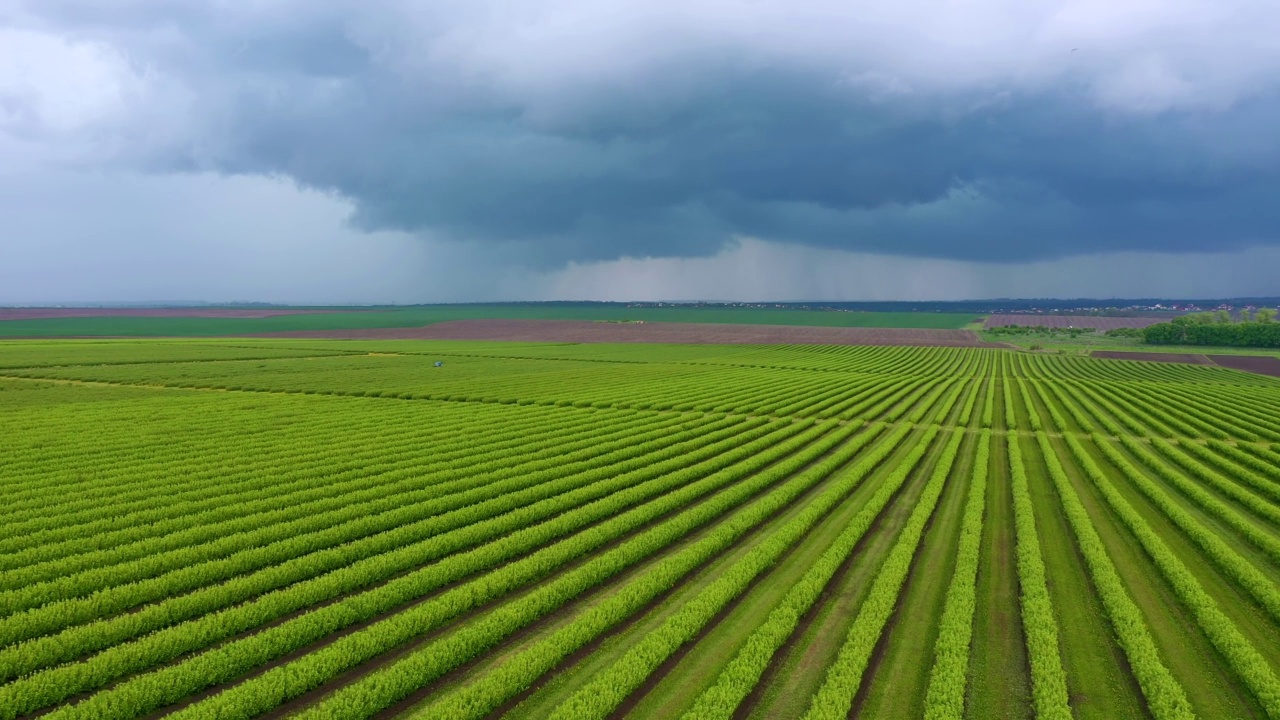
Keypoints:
pixel 426 315
pixel 341 529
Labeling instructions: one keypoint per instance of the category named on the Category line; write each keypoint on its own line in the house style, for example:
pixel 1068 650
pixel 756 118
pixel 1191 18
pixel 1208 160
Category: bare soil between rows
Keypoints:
pixel 582 331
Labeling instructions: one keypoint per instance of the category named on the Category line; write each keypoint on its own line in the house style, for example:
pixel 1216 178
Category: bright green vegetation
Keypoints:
pixel 425 315
pixel 339 529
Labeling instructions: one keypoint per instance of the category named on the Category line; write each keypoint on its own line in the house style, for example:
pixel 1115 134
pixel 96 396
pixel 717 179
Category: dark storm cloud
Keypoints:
pixel 670 141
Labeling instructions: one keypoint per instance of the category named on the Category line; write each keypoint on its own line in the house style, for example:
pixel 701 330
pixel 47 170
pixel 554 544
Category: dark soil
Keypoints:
pixel 1261 364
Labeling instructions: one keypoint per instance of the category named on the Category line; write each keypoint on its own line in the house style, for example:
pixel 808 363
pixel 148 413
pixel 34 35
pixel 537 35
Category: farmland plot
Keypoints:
pixel 241 528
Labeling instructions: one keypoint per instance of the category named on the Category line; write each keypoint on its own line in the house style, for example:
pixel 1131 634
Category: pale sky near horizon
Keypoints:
pixel 336 151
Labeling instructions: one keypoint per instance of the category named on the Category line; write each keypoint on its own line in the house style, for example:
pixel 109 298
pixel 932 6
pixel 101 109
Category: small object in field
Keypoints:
pixel 439 363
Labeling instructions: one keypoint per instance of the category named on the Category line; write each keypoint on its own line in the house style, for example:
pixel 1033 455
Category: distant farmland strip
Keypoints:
pixel 1076 321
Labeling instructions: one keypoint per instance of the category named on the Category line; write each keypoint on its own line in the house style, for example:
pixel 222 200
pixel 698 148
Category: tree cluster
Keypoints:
pixel 1217 329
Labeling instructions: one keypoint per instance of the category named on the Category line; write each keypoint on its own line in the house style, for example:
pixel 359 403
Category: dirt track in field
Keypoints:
pixel 1185 358
pixel 193 312
pixel 578 331
pixel 1079 321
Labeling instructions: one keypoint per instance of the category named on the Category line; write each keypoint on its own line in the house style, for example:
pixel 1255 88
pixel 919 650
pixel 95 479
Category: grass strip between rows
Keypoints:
pixel 948 680
pixel 1165 697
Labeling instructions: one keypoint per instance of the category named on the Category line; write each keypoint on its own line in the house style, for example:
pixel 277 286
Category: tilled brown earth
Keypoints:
pixel 49 313
pixel 1079 321
pixel 1260 364
pixel 579 331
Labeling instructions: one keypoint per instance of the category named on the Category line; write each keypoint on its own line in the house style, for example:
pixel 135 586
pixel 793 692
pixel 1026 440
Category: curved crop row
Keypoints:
pixel 696 472
pixel 1209 502
pixel 384 506
pixel 609 687
pixel 1258 506
pixel 741 674
pixel 227 662
pixel 388 684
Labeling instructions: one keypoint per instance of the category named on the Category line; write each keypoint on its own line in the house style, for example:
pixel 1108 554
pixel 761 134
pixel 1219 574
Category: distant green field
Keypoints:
pixel 426 315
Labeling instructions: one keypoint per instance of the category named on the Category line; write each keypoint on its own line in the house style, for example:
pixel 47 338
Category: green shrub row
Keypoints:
pixel 1229 561
pixel 1165 697
pixel 1039 624
pixel 508 536
pixel 123 585
pixel 227 662
pixel 610 686
pixel 834 697
pixel 390 683
pixel 1244 659
pixel 1206 500
pixel 948 681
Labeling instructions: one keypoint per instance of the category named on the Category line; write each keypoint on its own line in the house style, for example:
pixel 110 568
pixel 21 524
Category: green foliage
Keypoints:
pixel 949 678
pixel 742 673
pixel 1261 333
pixel 1048 679
pixel 1014 330
pixel 1248 664
pixel 835 697
pixel 1165 697
pixel 243 525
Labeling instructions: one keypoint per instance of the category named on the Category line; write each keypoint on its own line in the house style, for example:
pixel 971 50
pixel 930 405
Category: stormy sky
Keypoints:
pixel 396 151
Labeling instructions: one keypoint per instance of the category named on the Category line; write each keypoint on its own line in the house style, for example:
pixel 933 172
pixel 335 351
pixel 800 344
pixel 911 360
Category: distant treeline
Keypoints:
pixel 1218 328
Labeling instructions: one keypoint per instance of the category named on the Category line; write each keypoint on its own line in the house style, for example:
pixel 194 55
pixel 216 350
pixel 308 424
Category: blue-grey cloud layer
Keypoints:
pixel 699 138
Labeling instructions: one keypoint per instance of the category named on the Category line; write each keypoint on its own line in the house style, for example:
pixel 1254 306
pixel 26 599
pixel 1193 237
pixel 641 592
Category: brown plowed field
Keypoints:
pixel 1080 321
pixel 1260 364
pixel 47 313
pixel 578 331
pixel 1187 358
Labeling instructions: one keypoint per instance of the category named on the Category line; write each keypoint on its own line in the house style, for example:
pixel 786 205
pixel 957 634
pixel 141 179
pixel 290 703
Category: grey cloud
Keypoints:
pixel 584 132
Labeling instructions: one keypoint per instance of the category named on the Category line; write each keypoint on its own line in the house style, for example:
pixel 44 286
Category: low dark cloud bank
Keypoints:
pixel 592 131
